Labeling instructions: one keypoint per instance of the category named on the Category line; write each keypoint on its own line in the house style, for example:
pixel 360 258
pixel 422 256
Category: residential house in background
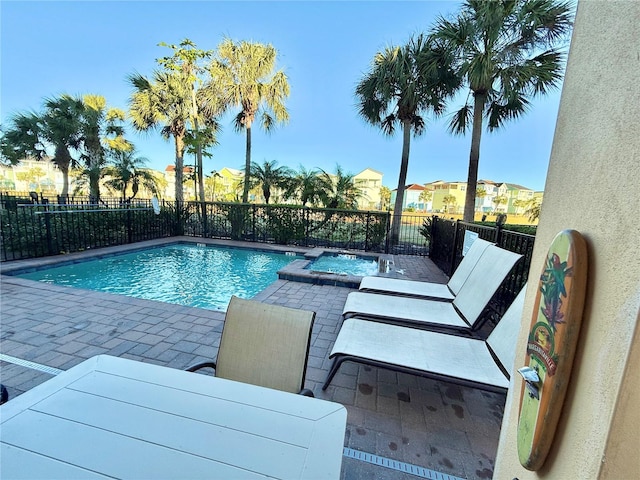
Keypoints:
pixel 448 197
pixel 411 196
pixel 230 180
pixel 486 192
pixel 369 181
pixel 189 187
pixel 518 198
pixel 31 175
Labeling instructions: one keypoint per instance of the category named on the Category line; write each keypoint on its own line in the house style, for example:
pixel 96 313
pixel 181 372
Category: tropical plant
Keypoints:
pixel 385 198
pixel 305 186
pixel 339 190
pixel 449 201
pixel 425 196
pixel 533 209
pixel 34 134
pixel 404 84
pixel 244 74
pixel 268 176
pixel 205 103
pixel 99 124
pixel 31 176
pixel 500 200
pixel 127 172
pixel 505 51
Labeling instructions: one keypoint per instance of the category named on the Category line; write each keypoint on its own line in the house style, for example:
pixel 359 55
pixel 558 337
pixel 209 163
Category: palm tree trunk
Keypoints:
pixel 402 179
pixel 479 100
pixel 247 165
pixel 179 168
pixel 64 169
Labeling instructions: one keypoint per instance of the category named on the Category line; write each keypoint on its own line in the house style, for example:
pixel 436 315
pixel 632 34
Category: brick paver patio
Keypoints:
pixel 436 425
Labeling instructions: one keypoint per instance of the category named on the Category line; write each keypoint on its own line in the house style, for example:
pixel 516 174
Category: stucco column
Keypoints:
pixel 593 186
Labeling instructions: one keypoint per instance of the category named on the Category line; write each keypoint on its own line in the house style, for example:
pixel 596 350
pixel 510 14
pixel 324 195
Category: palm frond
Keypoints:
pixel 461 120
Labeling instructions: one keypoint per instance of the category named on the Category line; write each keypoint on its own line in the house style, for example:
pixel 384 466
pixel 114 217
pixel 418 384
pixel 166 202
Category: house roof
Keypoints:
pixel 172 168
pixel 371 170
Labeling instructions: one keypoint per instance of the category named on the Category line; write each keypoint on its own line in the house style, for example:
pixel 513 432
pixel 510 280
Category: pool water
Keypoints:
pixel 344 264
pixel 183 274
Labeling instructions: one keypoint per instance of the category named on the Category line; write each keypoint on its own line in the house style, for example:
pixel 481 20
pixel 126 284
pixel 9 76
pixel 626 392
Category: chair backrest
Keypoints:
pixel 504 336
pixel 266 345
pixel 466 265
pixel 483 281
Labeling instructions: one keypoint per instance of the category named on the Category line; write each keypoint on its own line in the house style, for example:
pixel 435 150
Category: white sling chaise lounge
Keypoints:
pixel 462 315
pixel 435 291
pixel 467 361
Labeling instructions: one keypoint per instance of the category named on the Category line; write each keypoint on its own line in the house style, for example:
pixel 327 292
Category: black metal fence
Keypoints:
pixel 40 226
pixel 447 242
pixel 37 230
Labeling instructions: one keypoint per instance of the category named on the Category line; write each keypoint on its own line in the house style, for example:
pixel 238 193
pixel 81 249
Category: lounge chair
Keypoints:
pixel 412 288
pixel 462 315
pixel 266 345
pixel 484 364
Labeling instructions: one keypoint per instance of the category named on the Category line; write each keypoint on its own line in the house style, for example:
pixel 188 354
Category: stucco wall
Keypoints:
pixel 593 186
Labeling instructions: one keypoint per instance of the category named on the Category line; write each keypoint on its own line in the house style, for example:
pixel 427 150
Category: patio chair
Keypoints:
pixel 265 345
pixel 462 315
pixel 434 291
pixel 484 364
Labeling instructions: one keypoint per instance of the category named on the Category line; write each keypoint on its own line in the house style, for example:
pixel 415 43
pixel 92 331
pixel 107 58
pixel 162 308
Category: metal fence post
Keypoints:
pixel 454 248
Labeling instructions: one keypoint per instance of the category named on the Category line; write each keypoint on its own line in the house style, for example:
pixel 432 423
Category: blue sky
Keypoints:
pixel 81 47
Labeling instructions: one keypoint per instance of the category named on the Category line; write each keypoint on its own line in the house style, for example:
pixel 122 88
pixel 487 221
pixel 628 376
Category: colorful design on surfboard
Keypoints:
pixel 551 345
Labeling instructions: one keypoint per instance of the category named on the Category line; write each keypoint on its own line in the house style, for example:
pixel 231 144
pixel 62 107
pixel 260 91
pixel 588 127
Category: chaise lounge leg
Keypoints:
pixel 334 369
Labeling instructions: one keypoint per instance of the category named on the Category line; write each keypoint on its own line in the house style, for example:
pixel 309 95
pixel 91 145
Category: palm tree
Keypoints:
pixel 305 185
pixel 31 134
pixel 449 201
pixel 403 84
pixel 506 55
pixel 385 198
pixel 164 101
pixel 205 102
pixel 339 190
pixel 244 72
pixel 127 171
pixel 425 197
pixel 268 176
pixel 99 124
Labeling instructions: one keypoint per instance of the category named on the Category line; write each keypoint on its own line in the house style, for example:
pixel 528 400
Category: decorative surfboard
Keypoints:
pixel 551 345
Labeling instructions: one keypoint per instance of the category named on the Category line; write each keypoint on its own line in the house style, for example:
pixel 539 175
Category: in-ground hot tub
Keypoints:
pixel 338 268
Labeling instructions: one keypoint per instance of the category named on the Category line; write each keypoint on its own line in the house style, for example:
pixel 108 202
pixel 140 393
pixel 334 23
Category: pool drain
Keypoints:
pixel 396 465
pixel 32 365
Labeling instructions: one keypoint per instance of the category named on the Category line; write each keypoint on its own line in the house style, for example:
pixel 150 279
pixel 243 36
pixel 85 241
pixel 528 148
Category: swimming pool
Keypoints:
pixel 183 274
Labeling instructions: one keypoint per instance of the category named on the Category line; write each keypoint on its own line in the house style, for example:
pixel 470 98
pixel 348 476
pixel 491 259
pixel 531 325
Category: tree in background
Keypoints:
pixel 425 197
pixel 268 176
pixel 403 84
pixel 164 101
pixel 339 190
pixel 127 173
pixel 533 209
pixel 385 198
pixel 449 202
pixel 480 194
pixel 505 51
pixel 31 176
pixel 100 128
pixel 205 102
pixel 244 72
pixel 57 127
pixel 500 200
pixel 305 186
